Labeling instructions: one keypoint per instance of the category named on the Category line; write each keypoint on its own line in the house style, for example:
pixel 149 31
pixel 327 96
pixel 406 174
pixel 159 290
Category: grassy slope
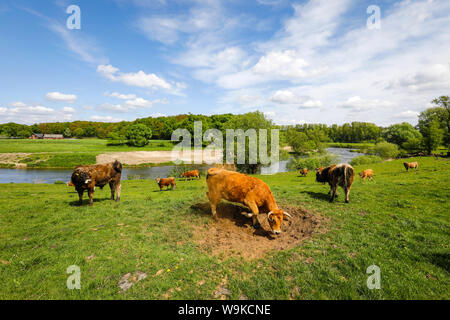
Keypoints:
pixel 400 222
pixel 68 153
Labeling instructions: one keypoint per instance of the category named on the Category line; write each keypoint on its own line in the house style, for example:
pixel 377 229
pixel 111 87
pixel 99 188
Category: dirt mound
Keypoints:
pixel 233 233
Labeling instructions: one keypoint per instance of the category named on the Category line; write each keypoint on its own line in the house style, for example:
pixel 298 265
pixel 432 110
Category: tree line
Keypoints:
pixel 431 131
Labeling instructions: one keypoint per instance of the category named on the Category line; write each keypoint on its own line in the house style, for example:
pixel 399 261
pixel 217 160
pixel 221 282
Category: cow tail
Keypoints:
pixel 345 176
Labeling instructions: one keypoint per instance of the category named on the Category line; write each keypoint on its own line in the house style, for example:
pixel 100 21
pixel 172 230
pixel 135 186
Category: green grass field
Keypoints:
pixel 399 222
pixel 75 145
pixel 68 153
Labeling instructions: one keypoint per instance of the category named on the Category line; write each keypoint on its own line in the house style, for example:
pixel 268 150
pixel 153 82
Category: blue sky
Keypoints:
pixel 310 61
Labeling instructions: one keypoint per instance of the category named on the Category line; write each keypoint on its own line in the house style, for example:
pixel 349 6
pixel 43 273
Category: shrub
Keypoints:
pixel 365 160
pixel 138 135
pixel 385 150
pixel 312 162
pixel 59 182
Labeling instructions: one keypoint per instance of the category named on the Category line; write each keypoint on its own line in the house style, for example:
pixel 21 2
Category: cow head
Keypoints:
pixel 361 174
pixel 322 174
pixel 158 180
pixel 275 218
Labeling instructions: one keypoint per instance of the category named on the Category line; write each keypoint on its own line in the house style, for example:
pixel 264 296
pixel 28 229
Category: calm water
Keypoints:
pixel 50 176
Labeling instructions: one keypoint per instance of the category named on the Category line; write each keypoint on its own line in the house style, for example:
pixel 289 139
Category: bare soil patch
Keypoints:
pixel 13 158
pixel 233 234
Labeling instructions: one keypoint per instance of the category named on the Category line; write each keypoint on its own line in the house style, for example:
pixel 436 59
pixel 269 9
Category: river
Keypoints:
pixel 52 175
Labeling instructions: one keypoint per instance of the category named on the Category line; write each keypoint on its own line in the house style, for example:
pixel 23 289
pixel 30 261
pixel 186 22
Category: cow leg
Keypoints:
pixel 118 189
pixel 347 192
pixel 254 208
pixel 80 196
pixel 112 187
pixel 213 201
pixel 333 193
pixel 91 196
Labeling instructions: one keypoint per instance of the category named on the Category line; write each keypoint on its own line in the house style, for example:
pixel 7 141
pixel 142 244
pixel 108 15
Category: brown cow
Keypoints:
pixel 166 182
pixel 70 184
pixel 412 165
pixel 98 175
pixel 341 174
pixel 368 173
pixel 304 172
pixel 252 192
pixel 191 174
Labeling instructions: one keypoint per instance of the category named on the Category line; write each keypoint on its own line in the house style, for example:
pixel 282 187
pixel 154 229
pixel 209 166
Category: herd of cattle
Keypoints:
pixel 224 184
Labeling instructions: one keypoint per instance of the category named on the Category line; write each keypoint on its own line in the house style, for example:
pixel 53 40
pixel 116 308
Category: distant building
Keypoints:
pixel 53 136
pixel 37 136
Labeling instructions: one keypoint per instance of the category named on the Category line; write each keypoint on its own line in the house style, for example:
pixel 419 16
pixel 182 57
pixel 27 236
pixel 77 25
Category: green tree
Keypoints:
pixel 385 150
pixel 138 135
pixel 432 136
pixel 252 120
pixel 299 141
pixel 24 133
pixel 401 133
pixel 78 132
pixel 440 114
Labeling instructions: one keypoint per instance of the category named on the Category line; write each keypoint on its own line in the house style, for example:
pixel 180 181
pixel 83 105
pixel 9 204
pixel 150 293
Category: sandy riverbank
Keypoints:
pixel 141 157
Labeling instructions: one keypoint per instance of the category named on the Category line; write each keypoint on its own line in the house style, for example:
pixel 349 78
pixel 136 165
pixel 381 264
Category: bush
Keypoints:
pixel 312 162
pixel 365 160
pixel 385 150
pixel 138 135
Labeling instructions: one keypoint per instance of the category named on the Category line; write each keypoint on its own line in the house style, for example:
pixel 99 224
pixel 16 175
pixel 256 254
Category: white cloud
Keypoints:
pixel 434 77
pixel 29 114
pixel 409 114
pixel 84 47
pixel 139 79
pixel 58 96
pixel 356 104
pixel 141 102
pixel 157 115
pixel 131 105
pixel 285 64
pixel 122 96
pixel 105 119
pixel 288 97
pixel 18 104
pixel 68 110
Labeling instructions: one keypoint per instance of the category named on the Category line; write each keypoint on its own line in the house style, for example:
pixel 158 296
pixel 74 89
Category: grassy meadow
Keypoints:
pixel 399 222
pixel 67 153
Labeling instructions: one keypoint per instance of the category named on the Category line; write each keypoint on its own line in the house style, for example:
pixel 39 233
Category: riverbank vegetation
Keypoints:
pixel 430 135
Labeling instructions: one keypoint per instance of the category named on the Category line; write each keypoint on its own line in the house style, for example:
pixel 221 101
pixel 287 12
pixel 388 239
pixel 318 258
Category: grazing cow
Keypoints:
pixel 337 175
pixel 70 184
pixel 252 192
pixel 368 173
pixel 166 182
pixel 98 175
pixel 304 172
pixel 412 165
pixel 191 174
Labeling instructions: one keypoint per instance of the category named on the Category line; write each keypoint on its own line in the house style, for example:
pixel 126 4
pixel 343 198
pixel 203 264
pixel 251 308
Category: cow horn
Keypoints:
pixel 268 215
pixel 287 214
